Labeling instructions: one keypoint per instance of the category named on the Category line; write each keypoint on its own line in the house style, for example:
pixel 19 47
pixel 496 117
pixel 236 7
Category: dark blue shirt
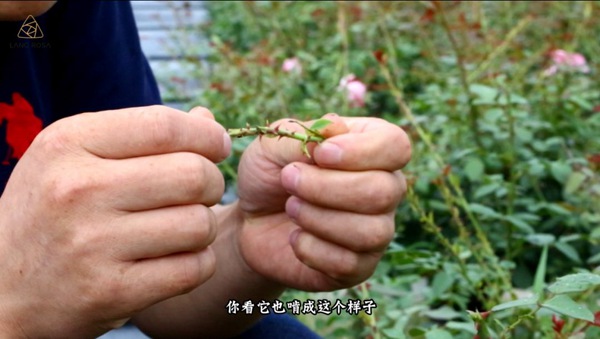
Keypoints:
pixel 80 56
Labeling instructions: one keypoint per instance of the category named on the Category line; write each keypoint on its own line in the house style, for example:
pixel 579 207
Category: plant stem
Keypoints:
pixel 500 49
pixel 463 76
pixel 487 256
pixel 272 132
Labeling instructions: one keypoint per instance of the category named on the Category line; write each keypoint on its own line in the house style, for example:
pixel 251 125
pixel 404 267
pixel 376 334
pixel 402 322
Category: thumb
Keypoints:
pixel 336 127
pixel 202 112
pixel 283 151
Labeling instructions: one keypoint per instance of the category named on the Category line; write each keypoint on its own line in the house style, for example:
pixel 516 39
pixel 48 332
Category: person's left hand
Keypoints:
pixel 322 223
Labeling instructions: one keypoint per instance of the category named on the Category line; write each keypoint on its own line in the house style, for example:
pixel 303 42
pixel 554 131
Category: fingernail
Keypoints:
pixel 226 144
pixel 290 176
pixel 328 154
pixel 293 208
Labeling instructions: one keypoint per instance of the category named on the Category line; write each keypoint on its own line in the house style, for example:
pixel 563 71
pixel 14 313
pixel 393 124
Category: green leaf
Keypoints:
pixel 595 259
pixel 485 190
pixel 483 210
pixel 520 224
pixel 540 273
pixel 564 305
pixel 485 95
pixel 461 326
pixel 575 180
pixel 568 250
pixel 474 169
pixel 438 334
pixel 443 313
pixel 515 303
pixel 320 124
pixel 442 281
pixel 560 171
pixel 395 333
pixel 540 239
pixel 556 209
pixel 416 332
pixel 578 282
pixel 595 234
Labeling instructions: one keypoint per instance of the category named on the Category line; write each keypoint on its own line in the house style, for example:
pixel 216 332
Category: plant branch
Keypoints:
pixel 273 132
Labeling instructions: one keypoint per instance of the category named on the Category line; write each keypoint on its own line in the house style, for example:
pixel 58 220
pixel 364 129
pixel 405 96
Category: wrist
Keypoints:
pixel 232 219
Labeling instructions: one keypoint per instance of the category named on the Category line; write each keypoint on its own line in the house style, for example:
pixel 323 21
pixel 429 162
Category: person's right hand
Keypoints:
pixel 106 214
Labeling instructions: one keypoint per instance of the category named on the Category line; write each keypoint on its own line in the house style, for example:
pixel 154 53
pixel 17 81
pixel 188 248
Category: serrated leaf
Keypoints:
pixel 515 303
pixel 578 282
pixel 320 124
pixel 564 305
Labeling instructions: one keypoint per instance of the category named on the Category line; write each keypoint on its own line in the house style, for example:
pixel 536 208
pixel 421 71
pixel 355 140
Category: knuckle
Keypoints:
pixel 376 236
pixel 347 266
pixel 193 272
pixel 405 150
pixel 163 130
pixel 204 230
pixel 199 179
pixel 69 189
pixel 383 193
pixel 100 293
pixel 191 174
pixel 55 139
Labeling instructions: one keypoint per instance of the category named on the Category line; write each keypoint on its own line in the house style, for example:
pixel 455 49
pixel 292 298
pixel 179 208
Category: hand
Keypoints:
pixel 322 224
pixel 106 214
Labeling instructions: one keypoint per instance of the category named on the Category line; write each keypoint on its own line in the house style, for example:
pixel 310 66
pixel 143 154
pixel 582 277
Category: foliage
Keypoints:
pixel 504 184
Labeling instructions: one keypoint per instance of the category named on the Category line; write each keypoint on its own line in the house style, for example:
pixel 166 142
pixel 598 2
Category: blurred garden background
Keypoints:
pixel 502 104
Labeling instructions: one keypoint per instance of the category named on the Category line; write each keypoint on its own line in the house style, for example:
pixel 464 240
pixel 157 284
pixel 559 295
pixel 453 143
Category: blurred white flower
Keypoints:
pixel 291 65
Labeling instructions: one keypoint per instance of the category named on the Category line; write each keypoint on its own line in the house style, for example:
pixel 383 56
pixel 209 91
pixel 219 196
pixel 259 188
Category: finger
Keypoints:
pixel 345 267
pixel 369 192
pixel 202 112
pixel 353 231
pixel 336 127
pixel 163 180
pixel 164 231
pixel 157 279
pixel 370 144
pixel 141 131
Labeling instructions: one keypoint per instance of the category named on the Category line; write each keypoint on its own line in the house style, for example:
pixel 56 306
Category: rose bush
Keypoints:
pixel 502 102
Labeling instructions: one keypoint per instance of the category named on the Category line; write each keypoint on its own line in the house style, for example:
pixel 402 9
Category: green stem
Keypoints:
pixel 463 75
pixel 272 132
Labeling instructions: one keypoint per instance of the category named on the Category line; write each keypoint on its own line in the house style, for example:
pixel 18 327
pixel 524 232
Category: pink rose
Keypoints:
pixel 291 65
pixel 563 60
pixel 355 89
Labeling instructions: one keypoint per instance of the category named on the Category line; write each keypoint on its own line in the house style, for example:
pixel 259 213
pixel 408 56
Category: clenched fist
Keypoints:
pixel 106 214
